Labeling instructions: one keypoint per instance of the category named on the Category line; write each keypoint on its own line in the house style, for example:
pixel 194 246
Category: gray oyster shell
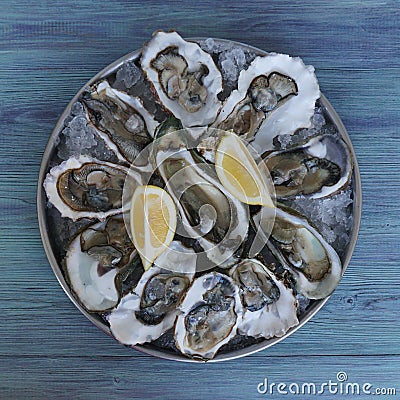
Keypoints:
pixel 208 212
pixel 269 306
pixel 210 315
pixel 151 308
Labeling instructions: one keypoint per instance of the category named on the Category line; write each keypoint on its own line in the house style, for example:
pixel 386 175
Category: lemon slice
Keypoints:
pixel 239 173
pixel 153 222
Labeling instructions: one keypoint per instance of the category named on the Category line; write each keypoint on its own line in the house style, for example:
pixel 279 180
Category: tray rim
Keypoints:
pixel 146 348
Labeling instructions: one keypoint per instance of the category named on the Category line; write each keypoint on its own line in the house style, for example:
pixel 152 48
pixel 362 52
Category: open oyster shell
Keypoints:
pixel 184 77
pixel 276 94
pixel 270 307
pixel 318 168
pixel 209 213
pixel 120 120
pixel 151 309
pixel 313 263
pixel 88 188
pixel 100 261
pixel 211 314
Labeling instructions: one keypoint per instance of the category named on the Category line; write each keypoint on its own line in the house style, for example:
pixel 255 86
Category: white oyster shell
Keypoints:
pixel 95 289
pixel 195 58
pixel 51 187
pixel 97 293
pixel 293 114
pixel 124 324
pixel 220 323
pixel 275 318
pixel 177 258
pixel 304 248
pixel 326 147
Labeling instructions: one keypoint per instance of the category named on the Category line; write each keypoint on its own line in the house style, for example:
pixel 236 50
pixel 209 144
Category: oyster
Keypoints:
pixel 302 250
pixel 270 307
pixel 209 214
pixel 88 188
pixel 211 313
pixel 318 168
pixel 184 77
pixel 276 94
pixel 100 262
pixel 120 120
pixel 151 309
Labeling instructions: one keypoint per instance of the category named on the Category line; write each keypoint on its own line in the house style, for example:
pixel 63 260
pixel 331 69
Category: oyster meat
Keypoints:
pixel 120 120
pixel 275 95
pixel 209 213
pixel 100 262
pixel 185 78
pixel 318 168
pixel 88 188
pixel 270 307
pixel 151 309
pixel 301 249
pixel 211 313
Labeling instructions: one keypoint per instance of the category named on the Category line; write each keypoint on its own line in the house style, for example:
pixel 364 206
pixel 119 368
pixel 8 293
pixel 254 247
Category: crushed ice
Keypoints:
pixel 210 46
pixel 332 216
pixel 127 75
pixel 231 59
pixel 80 138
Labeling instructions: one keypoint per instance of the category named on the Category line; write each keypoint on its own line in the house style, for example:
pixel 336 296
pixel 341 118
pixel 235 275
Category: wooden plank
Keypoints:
pixel 144 378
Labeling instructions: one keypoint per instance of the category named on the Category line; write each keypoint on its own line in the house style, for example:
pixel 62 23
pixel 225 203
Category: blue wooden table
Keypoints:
pixel 49 49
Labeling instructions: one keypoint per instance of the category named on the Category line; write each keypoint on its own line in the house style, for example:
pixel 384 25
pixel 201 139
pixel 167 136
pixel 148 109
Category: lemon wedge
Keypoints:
pixel 153 222
pixel 239 173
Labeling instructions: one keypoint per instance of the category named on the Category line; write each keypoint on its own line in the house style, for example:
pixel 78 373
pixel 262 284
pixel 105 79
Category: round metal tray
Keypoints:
pixel 149 348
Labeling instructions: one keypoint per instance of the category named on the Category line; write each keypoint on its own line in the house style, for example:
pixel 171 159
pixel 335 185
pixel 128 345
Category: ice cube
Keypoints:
pixel 284 140
pixel 77 108
pixel 237 54
pixel 232 61
pixel 77 124
pixel 318 121
pixel 209 45
pixel 127 75
pixel 229 70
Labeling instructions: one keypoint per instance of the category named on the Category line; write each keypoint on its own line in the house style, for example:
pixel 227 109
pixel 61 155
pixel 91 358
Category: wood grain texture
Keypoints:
pixel 49 49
